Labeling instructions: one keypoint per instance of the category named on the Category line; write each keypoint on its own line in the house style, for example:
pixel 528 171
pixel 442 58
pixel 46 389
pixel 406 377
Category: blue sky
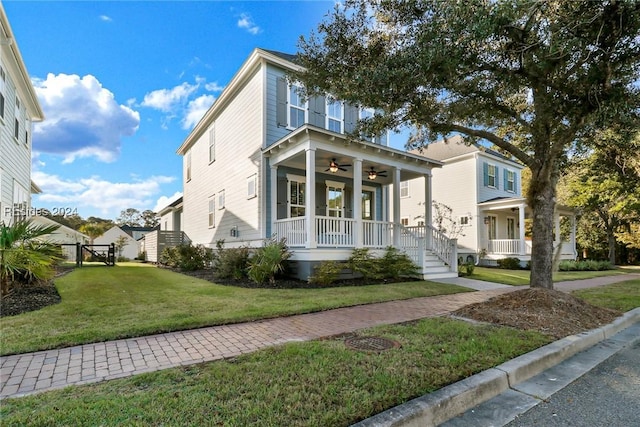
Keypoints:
pixel 122 84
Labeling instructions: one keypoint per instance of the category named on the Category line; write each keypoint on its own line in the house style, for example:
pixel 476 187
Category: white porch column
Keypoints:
pixel 396 206
pixel 310 198
pixel 274 199
pixel 357 203
pixel 428 217
pixel 522 244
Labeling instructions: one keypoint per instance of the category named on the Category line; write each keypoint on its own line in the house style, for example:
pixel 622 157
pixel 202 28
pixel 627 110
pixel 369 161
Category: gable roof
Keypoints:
pixel 286 56
pixel 455 147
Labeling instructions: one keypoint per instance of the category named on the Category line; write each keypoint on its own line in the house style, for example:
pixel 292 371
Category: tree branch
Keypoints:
pixel 489 136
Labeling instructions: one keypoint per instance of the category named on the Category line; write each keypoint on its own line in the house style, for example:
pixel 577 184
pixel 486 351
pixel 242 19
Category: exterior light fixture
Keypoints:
pixel 373 174
pixel 333 167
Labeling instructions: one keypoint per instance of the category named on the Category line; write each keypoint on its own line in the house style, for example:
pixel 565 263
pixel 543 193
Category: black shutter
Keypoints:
pixel 317 113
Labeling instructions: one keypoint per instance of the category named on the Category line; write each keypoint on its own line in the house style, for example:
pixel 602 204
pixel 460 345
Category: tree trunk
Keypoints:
pixel 611 239
pixel 542 199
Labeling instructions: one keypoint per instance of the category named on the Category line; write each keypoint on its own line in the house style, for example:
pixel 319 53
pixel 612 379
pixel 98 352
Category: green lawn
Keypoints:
pixel 623 296
pixel 317 383
pixel 106 303
pixel 521 277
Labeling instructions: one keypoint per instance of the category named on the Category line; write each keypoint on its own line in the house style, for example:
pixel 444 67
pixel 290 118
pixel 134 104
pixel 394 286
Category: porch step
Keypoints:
pixel 434 276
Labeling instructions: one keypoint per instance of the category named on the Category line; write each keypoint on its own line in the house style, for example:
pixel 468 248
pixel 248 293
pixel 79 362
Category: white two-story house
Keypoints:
pixel 19 108
pixel 483 188
pixel 264 162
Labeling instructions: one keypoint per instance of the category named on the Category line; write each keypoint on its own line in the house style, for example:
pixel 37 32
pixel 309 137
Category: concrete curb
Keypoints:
pixel 435 408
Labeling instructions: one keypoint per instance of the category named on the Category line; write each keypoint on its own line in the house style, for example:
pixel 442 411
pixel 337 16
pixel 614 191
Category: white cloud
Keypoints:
pixel 246 22
pixel 213 87
pixel 165 201
pixel 166 100
pixel 82 118
pixel 196 109
pixel 99 194
pixel 106 18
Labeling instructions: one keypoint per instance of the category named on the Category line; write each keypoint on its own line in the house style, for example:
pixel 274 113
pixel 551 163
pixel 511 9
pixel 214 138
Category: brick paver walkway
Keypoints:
pixel 30 373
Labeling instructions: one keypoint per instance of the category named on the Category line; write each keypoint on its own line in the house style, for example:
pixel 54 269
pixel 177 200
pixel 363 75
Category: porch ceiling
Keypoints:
pixel 290 151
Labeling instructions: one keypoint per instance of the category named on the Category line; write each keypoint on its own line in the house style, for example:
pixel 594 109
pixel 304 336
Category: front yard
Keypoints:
pixel 521 277
pixel 107 303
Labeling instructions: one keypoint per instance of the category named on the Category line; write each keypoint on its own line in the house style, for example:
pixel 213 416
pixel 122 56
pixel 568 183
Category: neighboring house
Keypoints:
pixel 168 234
pixel 131 236
pixel 64 236
pixel 264 162
pixel 171 216
pixel 19 108
pixel 484 190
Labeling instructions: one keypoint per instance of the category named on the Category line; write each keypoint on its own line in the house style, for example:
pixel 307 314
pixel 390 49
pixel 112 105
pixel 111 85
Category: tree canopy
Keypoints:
pixel 531 77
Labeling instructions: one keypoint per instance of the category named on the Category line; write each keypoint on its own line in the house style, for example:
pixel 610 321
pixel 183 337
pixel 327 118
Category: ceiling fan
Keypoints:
pixel 373 174
pixel 335 167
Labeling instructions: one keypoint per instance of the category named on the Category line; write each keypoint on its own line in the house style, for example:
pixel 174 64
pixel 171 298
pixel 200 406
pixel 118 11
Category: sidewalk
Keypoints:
pixel 30 373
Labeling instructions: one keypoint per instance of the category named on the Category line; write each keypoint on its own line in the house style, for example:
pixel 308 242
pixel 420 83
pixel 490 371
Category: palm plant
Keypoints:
pixel 24 254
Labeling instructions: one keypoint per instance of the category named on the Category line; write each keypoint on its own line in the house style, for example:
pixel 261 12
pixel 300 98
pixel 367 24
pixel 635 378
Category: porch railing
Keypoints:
pixel 376 234
pixel 292 229
pixel 443 247
pixel 334 232
pixel 504 246
pixel 339 232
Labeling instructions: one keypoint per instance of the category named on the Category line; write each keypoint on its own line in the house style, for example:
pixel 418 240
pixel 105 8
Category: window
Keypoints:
pixel 334 115
pixel 511 228
pixel 490 175
pixel 335 199
pixel 404 221
pixel 212 212
pixel 221 200
pixel 296 196
pixel 509 180
pixel 404 188
pixel 188 167
pixel 18 116
pixel 492 227
pixel 3 78
pixel 212 144
pixel 297 107
pixel 20 202
pixel 252 186
pixel 464 220
pixel 367 204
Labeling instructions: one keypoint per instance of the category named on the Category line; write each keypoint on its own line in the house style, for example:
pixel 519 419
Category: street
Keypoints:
pixel 608 395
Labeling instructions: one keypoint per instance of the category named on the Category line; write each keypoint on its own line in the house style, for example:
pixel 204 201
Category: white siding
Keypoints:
pixel 131 249
pixel 15 158
pixel 488 193
pixel 238 135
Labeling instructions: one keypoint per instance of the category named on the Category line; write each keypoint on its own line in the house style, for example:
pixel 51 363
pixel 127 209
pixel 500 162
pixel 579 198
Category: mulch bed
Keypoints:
pixel 552 312
pixel 29 298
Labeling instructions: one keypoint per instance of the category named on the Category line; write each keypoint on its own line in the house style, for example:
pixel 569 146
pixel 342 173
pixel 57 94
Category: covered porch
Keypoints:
pixel 504 232
pixel 329 195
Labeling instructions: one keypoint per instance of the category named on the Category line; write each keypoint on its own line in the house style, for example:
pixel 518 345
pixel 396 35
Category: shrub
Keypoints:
pixel 361 261
pixel 230 263
pixel 466 269
pixel 142 256
pixel 268 261
pixel 122 259
pixel 509 263
pixel 395 264
pixel 326 273
pixel 588 265
pixel 186 257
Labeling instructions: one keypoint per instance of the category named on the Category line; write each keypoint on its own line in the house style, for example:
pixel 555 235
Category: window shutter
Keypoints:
pixel 497 179
pixel 515 182
pixel 485 170
pixel 350 118
pixel 281 102
pixel 505 174
pixel 317 113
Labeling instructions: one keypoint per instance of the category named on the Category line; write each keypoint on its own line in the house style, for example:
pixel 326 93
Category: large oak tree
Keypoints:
pixel 530 77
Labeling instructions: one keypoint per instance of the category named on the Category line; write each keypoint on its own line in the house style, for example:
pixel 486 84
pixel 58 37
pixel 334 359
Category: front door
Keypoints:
pixel 335 201
pixel 492 227
pixel 367 204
